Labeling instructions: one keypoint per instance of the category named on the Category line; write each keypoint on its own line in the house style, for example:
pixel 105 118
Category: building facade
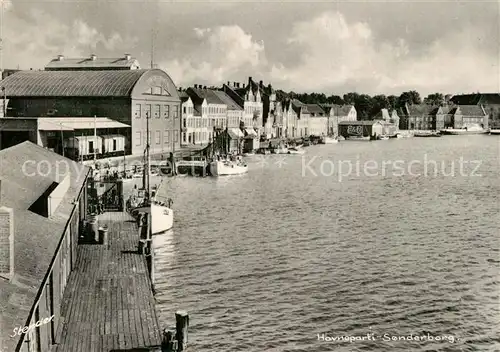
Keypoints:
pixel 318 121
pixel 489 101
pixel 135 98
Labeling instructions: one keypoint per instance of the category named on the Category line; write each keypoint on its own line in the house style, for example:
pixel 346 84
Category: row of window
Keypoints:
pixel 141 137
pixel 251 109
pixel 156 111
pixel 196 137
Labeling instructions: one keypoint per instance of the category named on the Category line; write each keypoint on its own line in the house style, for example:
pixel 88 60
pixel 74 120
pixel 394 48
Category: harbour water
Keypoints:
pixel 270 260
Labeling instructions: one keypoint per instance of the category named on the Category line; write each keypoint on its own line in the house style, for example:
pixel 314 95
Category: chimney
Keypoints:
pixel 127 57
pixel 235 84
pixel 205 87
pixel 6 242
pixel 261 84
pixel 60 57
pixel 228 84
pixel 93 57
pixel 195 86
pixel 249 80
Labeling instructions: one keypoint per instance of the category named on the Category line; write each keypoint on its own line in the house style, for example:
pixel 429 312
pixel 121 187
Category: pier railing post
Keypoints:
pixel 181 327
pixel 168 343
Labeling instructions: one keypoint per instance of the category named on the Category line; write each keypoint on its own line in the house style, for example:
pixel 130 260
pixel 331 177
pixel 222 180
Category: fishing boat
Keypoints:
pixel 358 138
pixel 147 202
pixel 296 150
pixel 227 167
pixel 427 134
pixel 474 129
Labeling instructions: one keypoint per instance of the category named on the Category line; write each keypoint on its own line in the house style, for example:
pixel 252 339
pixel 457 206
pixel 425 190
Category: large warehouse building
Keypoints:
pixel 60 109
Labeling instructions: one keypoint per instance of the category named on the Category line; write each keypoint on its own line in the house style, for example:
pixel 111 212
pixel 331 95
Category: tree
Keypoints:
pixel 351 98
pixel 335 99
pixel 379 102
pixel 411 98
pixel 393 101
pixel 436 99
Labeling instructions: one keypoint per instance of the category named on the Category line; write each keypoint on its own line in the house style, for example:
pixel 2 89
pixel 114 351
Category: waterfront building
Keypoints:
pixel 302 120
pixel 249 98
pixel 194 130
pixel 93 63
pixel 338 113
pixel 489 101
pixel 417 117
pixel 290 119
pixel 210 110
pixel 463 116
pixel 318 121
pixel 43 202
pixel 64 101
pixel 390 120
pixel 370 128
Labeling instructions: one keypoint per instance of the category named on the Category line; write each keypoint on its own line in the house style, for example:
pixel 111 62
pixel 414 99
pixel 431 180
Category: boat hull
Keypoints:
pixel 162 217
pixel 457 132
pixel 353 138
pixel 495 132
pixel 220 168
pixel 328 140
pixel 296 151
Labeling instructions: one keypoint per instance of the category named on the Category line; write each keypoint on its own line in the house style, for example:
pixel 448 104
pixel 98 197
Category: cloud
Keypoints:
pixel 219 54
pixel 41 36
pixel 341 56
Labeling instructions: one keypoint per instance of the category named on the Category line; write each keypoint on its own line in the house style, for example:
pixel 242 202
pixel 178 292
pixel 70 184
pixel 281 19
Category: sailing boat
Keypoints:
pixel 162 216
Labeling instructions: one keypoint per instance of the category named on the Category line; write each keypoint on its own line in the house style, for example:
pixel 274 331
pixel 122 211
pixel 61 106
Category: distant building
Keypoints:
pixel 463 116
pixel 361 128
pixel 93 63
pixel 318 120
pixel 338 113
pixel 302 120
pixel 489 101
pixel 43 203
pixel 126 97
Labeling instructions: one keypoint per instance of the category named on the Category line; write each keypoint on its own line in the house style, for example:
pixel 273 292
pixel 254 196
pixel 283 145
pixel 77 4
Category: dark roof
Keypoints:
pixel 36 237
pixel 314 109
pixel 338 110
pixel 477 98
pixel 197 95
pixel 72 83
pixel 360 123
pixel 471 110
pixel 87 62
pixel 226 99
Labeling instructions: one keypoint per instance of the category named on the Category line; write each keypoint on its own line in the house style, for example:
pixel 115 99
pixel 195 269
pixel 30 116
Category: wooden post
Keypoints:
pixel 168 343
pixel 181 327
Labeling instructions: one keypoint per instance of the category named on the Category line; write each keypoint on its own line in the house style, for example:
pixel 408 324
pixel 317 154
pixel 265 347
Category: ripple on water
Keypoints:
pixel 267 261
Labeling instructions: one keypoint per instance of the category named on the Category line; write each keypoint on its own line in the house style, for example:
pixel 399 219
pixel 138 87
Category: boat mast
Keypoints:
pixel 147 186
pixel 95 141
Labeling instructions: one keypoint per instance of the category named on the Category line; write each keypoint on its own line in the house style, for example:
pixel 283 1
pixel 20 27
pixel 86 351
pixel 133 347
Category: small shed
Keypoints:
pixel 84 145
pixel 361 128
pixel 112 143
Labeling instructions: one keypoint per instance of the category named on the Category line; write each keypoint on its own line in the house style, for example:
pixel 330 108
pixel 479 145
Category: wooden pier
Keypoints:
pixel 108 304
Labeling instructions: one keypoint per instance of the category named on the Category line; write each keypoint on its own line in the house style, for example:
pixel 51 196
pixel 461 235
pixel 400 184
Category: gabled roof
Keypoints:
pixel 314 109
pixel 197 95
pixel 36 237
pixel 471 110
pixel 231 104
pixel 338 110
pixel 89 63
pixel 71 83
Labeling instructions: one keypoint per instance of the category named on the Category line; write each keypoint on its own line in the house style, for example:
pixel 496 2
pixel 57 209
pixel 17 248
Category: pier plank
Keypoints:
pixel 108 303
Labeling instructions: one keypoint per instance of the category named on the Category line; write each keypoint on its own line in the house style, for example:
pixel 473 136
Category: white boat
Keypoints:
pixel 358 138
pixel 494 131
pixel 162 217
pixel 474 129
pixel 399 136
pixel 384 138
pixel 227 167
pixel 296 150
pixel 330 140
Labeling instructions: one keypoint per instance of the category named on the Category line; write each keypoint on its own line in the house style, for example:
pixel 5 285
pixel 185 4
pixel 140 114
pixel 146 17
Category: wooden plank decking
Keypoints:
pixel 108 303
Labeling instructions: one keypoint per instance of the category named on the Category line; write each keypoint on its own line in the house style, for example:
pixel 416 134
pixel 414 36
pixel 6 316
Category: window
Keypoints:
pixel 166 111
pixel 91 146
pixel 157 111
pixel 158 137
pixel 114 144
pixel 138 138
pixel 137 112
pixel 148 110
pixel 184 137
pixel 165 137
pixel 156 90
pixel 176 111
pixel 176 136
pixel 183 109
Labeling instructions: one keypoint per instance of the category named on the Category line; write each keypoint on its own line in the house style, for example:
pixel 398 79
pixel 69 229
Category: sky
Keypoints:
pixel 371 47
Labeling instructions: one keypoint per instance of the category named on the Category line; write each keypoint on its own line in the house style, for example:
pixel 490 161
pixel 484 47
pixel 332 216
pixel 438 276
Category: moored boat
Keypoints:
pixel 495 131
pixel 475 129
pixel 357 138
pixel 227 167
pixel 384 138
pixel 427 134
pixel 330 140
pixel 296 150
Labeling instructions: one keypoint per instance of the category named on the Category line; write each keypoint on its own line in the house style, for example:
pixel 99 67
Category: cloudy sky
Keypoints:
pixel 371 47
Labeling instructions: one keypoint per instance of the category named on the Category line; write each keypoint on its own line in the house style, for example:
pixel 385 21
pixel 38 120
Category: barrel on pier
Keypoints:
pixel 93 228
